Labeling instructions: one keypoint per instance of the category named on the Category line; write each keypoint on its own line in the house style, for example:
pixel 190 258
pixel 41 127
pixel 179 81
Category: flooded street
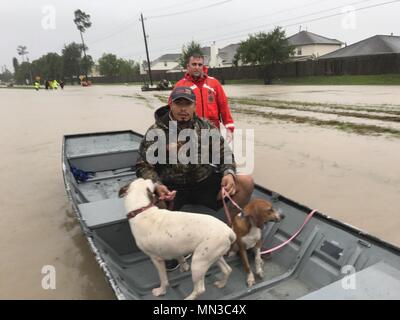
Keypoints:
pixel 349 176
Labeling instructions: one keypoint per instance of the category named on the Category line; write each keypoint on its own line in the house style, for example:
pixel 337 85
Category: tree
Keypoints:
pixel 87 63
pixel 112 66
pixel 22 51
pixel 48 66
pixel 6 75
pixel 23 72
pixel 127 68
pixel 72 56
pixel 265 50
pixel 15 64
pixel 82 21
pixel 192 48
pixel 109 65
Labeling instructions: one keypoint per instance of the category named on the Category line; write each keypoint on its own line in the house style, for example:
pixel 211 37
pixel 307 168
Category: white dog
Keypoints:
pixel 165 235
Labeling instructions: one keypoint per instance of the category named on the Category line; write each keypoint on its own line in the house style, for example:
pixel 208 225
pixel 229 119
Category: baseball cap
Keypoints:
pixel 183 92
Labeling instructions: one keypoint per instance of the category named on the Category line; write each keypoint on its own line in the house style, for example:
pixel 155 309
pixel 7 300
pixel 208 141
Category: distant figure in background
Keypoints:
pixel 47 84
pixel 37 85
pixel 55 84
pixel 62 84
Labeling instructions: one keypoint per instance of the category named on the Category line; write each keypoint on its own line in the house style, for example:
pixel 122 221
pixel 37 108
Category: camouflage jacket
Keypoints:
pixel 166 157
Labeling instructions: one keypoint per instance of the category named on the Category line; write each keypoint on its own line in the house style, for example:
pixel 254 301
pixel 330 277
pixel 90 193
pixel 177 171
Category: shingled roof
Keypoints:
pixel 306 38
pixel 168 57
pixel 379 44
pixel 227 54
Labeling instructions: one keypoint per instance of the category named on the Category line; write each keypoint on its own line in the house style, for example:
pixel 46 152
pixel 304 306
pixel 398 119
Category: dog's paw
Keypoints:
pixel 184 267
pixel 259 267
pixel 191 297
pixel 260 272
pixel 158 291
pixel 250 280
pixel 220 284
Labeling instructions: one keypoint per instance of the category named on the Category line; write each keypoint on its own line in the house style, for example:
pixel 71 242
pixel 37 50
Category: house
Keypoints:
pixel 164 63
pixel 170 62
pixel 379 44
pixel 309 45
pixel 226 55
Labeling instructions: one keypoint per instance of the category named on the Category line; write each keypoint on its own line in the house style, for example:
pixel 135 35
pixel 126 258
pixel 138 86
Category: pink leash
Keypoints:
pixel 309 216
pixel 225 194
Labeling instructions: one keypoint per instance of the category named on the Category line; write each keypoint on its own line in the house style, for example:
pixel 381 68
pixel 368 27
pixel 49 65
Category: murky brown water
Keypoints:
pixel 353 178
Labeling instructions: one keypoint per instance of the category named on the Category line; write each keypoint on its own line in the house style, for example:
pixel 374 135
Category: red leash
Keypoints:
pixel 225 194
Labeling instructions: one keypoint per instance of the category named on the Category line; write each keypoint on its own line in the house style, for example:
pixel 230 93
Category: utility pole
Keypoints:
pixel 147 50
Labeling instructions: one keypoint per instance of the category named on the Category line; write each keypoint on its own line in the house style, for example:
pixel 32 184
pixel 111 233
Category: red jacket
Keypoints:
pixel 211 101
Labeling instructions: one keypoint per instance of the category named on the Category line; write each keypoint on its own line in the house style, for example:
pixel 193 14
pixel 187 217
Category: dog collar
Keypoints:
pixel 134 213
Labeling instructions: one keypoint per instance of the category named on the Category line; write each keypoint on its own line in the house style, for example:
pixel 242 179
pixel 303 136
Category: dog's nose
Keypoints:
pixel 282 216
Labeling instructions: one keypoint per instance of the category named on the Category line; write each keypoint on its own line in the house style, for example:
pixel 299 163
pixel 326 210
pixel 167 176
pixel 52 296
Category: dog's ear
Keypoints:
pixel 122 192
pixel 253 213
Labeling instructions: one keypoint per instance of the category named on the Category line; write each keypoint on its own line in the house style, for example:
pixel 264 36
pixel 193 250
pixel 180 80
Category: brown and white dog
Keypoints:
pixel 248 228
pixel 165 235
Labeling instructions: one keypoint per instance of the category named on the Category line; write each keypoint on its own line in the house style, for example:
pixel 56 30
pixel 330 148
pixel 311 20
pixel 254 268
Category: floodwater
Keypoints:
pixel 350 177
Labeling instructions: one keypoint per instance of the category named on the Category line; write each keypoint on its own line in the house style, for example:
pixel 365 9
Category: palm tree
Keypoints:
pixel 22 52
pixel 82 21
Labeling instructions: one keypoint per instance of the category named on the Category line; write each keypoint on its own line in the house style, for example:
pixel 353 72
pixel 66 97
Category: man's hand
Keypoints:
pixel 162 190
pixel 164 193
pixel 228 182
pixel 229 136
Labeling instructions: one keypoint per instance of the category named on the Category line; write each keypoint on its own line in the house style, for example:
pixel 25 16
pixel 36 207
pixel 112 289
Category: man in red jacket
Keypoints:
pixel 211 101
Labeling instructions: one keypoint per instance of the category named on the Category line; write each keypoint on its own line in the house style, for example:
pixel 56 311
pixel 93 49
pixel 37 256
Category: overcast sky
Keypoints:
pixel 46 25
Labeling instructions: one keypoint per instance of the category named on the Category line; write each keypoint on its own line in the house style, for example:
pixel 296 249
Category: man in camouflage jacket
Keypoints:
pixel 197 166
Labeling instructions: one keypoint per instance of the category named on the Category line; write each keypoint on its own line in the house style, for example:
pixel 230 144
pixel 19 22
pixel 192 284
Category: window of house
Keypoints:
pixel 165 63
pixel 299 51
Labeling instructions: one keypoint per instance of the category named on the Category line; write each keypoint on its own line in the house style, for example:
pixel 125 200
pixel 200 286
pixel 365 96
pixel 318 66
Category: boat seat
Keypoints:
pixel 100 213
pixel 103 212
pixel 377 282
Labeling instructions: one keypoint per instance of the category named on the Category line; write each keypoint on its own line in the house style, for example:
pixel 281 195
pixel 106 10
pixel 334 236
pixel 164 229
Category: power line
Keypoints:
pixel 298 17
pixel 122 28
pixel 190 10
pixel 289 25
pixel 293 24
pixel 280 21
pixel 170 6
pixel 340 13
pixel 253 18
